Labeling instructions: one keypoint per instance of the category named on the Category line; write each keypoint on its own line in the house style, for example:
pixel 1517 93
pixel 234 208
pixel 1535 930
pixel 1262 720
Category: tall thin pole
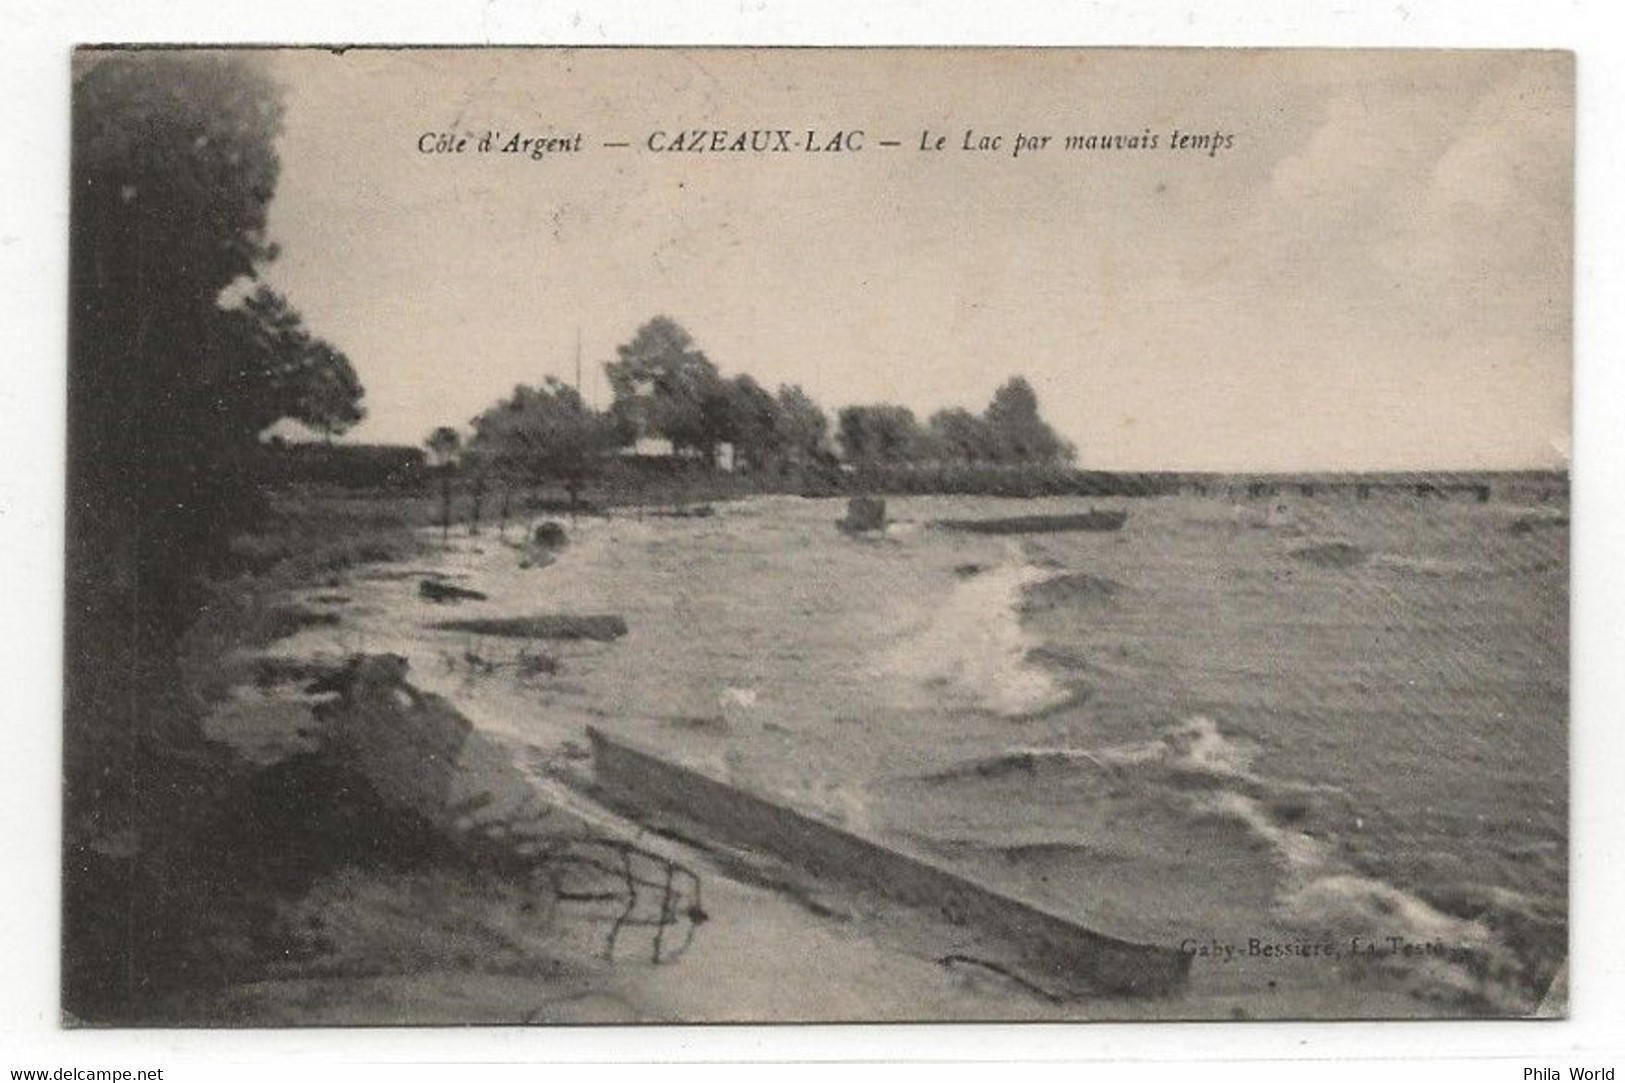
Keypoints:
pixel 578 362
pixel 581 403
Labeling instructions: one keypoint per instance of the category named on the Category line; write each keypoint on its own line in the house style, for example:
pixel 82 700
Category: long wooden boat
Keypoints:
pixel 1090 520
pixel 1053 953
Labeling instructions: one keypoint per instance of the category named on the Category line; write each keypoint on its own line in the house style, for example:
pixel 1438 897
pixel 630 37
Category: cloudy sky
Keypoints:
pixel 1376 273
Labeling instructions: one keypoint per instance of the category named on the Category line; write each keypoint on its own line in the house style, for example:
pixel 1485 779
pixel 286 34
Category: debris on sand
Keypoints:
pixel 524 664
pixel 413 784
pixel 535 665
pixel 601 627
pixel 404 742
pixel 544 545
pixel 282 621
pixel 395 575
pixel 864 514
pixel 271 670
pixel 442 593
pixel 549 535
pixel 969 569
pixel 1332 555
pixel 690 511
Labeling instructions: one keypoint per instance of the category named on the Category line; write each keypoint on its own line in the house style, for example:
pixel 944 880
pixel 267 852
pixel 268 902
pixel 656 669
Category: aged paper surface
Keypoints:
pixel 679 535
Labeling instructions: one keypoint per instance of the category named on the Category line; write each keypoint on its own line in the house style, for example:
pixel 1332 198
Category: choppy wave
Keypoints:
pixel 1320 893
pixel 1444 956
pixel 976 650
pixel 1195 746
pixel 1432 568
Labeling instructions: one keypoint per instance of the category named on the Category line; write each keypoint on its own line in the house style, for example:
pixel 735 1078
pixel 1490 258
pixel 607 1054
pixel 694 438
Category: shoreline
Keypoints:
pixel 775 919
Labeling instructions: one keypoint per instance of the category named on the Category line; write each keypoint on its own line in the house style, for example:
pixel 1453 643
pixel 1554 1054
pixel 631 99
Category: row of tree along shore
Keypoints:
pixel 634 479
pixel 675 417
pixel 677 429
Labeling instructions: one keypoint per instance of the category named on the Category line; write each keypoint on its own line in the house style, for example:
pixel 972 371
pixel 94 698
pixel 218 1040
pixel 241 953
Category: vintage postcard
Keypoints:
pixel 677 535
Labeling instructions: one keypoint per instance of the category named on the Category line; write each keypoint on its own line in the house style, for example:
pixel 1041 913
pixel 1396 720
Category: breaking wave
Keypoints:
pixel 1449 957
pixel 1195 747
pixel 1196 765
pixel 976 650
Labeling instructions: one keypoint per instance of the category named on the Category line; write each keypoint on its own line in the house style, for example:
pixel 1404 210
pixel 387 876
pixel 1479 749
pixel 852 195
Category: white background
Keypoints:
pixel 34 42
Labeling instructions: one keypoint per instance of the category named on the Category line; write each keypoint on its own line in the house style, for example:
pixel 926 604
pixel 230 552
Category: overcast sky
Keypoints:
pixel 1376 274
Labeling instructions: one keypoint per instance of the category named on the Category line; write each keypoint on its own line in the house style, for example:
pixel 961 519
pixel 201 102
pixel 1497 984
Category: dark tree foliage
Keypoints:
pixel 664 387
pixel 541 433
pixel 268 367
pixel 667 388
pixel 173 169
pixel 445 444
pixel 755 425
pixel 1019 434
pixel 880 433
pixel 961 436
pixel 174 166
pixel 1010 433
pixel 803 427
pixel 719 419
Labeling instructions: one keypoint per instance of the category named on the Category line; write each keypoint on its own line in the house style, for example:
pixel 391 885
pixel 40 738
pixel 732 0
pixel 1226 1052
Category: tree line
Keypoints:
pixel 179 356
pixel 666 388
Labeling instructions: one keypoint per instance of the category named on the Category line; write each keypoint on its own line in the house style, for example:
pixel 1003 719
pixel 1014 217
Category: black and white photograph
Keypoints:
pixel 682 535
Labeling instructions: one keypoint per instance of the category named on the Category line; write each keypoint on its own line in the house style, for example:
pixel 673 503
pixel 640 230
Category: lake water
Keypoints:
pixel 1288 721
